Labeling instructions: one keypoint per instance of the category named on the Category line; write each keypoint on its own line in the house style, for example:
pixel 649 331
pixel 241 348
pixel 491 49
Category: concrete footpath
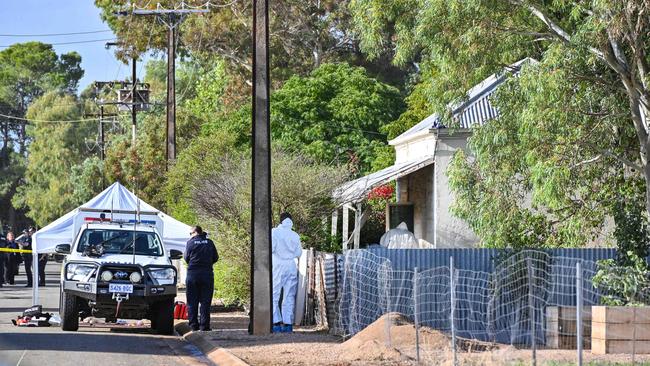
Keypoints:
pixel 205 342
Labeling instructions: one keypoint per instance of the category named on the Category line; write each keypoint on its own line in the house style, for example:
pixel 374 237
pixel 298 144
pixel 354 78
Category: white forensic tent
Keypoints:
pixel 115 198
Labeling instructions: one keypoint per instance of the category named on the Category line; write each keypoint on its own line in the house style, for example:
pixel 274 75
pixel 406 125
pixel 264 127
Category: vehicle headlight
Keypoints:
pixel 163 276
pixel 78 271
pixel 107 276
pixel 135 277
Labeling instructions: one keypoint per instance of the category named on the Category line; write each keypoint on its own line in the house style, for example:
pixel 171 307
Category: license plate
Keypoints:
pixel 120 288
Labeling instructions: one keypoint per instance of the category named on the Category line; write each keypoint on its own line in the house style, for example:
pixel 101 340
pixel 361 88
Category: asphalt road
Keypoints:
pixel 50 346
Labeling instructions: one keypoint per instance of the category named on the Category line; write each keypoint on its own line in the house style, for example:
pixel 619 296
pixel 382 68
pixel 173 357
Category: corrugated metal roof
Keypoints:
pixel 475 110
pixel 358 189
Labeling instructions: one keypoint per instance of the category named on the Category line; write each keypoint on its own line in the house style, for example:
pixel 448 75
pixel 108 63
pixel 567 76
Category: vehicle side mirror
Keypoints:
pixel 175 254
pixel 62 249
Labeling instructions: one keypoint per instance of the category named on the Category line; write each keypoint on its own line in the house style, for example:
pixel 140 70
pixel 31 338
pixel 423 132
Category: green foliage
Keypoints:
pixel 545 173
pixel 335 114
pixel 31 68
pixel 88 179
pixel 210 88
pixel 140 168
pixel 227 284
pixel 11 171
pixel 418 107
pixel 624 284
pixel 456 43
pixel 27 71
pixel 57 147
pixel 220 193
pixel 202 155
pixel 307 34
pixel 232 272
pixel 631 231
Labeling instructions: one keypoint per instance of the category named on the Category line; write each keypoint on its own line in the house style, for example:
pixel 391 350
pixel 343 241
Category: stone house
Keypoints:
pixel 422 155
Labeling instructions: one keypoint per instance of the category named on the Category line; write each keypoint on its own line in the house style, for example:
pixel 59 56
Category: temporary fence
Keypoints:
pixel 323 284
pixel 528 299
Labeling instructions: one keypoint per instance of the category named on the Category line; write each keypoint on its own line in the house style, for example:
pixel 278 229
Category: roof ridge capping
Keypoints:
pixel 468 116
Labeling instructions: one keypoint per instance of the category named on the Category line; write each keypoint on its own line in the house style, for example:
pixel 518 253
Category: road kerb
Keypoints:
pixel 210 349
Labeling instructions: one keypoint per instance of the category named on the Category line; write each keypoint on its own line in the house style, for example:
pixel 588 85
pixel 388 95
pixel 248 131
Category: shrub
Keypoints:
pixel 222 198
pixel 623 284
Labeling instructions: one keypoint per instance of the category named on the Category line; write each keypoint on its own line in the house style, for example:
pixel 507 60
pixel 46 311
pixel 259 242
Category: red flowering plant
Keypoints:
pixel 384 192
pixel 379 197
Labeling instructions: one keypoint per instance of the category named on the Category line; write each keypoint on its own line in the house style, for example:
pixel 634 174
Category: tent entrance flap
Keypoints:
pixel 358 189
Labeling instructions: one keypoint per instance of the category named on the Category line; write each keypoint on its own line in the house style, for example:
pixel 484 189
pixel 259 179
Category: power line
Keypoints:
pixel 54 34
pixel 74 42
pixel 46 121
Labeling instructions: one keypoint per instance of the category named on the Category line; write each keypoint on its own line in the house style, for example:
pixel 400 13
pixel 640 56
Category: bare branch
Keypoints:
pixel 585 162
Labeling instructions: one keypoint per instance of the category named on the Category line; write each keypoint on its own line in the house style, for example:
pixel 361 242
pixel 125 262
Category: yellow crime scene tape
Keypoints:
pixel 15 250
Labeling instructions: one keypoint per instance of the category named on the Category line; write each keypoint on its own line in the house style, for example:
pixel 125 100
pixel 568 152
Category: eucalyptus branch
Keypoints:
pixel 585 162
pixel 622 160
pixel 555 29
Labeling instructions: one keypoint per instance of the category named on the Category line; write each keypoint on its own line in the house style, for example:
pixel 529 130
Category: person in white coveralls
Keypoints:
pixel 286 250
pixel 399 238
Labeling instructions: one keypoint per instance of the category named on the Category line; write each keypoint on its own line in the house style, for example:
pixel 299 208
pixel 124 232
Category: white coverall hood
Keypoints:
pixel 399 238
pixel 287 224
pixel 286 249
pixel 285 242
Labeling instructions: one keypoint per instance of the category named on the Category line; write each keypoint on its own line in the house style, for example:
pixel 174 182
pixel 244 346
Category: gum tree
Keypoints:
pixel 575 137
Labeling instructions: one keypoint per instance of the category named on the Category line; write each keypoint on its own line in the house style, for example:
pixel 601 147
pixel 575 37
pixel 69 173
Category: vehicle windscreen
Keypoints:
pixel 121 242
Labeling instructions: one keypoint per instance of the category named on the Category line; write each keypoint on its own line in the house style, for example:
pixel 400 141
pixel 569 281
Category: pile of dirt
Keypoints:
pixel 375 344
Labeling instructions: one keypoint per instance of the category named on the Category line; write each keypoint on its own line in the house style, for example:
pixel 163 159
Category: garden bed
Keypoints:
pixel 620 329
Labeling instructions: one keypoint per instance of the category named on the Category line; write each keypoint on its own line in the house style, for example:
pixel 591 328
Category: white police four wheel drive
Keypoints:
pixel 118 269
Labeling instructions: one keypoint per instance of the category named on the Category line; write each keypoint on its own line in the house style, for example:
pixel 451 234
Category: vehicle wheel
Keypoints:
pixel 69 313
pixel 162 319
pixel 152 315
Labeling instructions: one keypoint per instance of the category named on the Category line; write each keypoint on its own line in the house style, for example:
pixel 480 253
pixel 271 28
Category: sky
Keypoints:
pixel 65 16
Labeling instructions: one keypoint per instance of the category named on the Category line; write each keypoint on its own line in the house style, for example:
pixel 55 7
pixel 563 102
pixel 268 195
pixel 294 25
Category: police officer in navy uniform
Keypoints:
pixel 200 255
pixel 12 259
pixel 42 262
pixel 27 257
pixel 3 259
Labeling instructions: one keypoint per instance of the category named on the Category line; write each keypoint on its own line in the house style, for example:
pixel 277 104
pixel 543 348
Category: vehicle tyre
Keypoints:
pixel 69 313
pixel 152 316
pixel 163 317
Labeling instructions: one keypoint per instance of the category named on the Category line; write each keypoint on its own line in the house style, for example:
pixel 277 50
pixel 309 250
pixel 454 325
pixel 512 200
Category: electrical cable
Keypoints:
pixel 48 121
pixel 73 42
pixel 55 34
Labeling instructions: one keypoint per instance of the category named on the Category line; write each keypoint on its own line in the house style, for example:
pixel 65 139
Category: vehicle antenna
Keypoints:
pixel 135 223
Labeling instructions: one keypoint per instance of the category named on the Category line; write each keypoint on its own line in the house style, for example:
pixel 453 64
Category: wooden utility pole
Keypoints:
pixel 171 95
pixel 101 133
pixel 134 117
pixel 101 144
pixel 172 18
pixel 261 315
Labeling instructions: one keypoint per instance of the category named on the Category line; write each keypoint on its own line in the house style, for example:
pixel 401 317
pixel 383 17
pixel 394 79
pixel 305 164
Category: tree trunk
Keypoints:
pixel 12 218
pixel 5 145
pixel 646 175
pixel 23 139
